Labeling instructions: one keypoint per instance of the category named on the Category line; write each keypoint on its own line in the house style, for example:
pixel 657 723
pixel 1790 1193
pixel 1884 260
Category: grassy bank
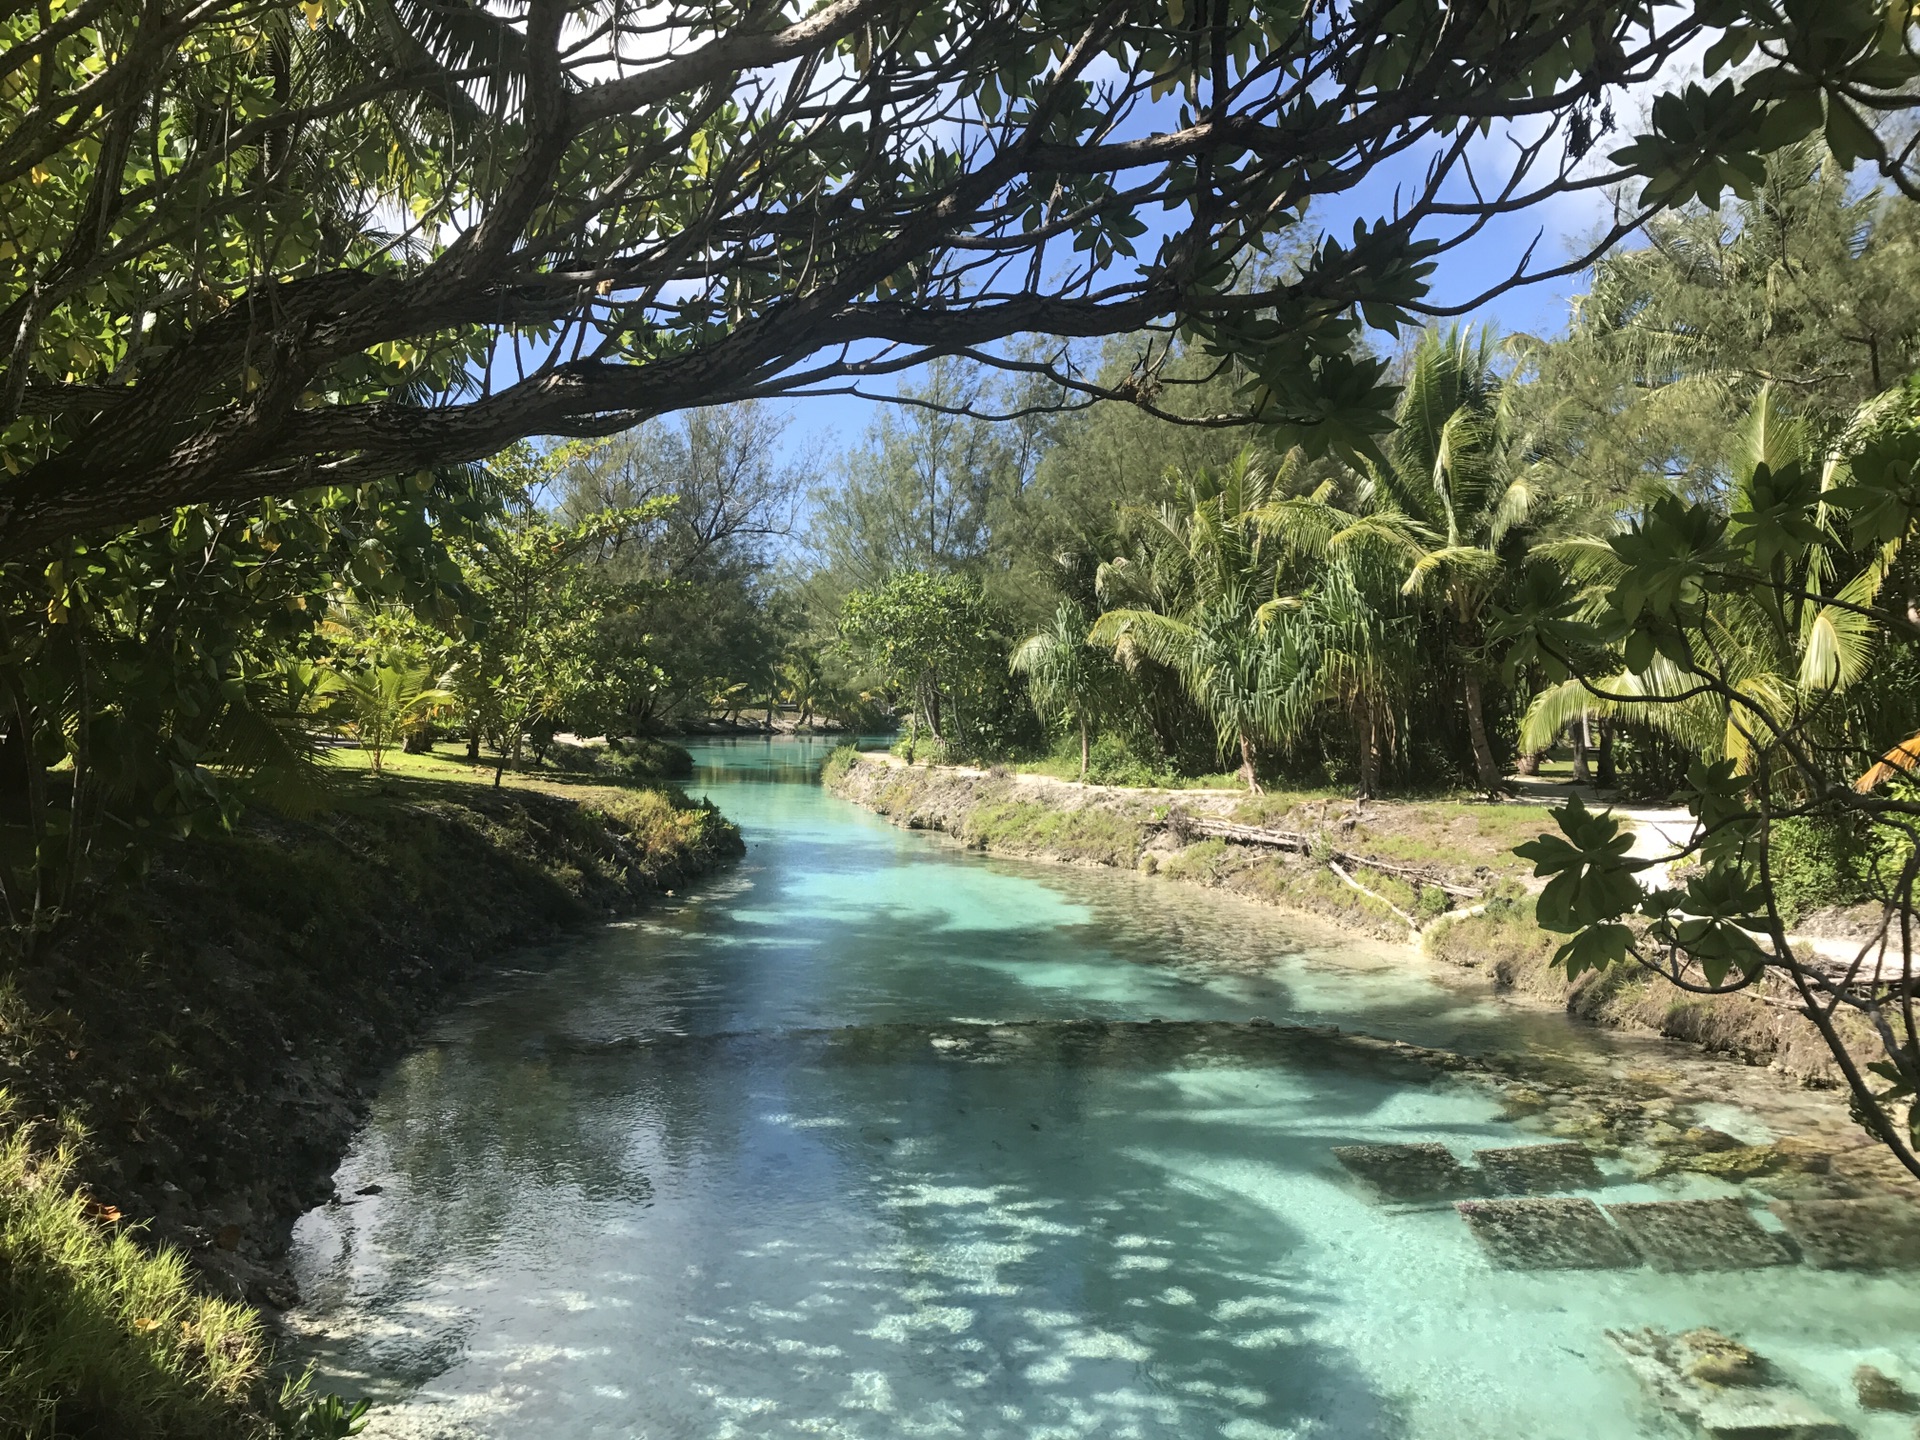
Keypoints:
pixel 188 1060
pixel 1013 813
pixel 1394 852
pixel 1504 944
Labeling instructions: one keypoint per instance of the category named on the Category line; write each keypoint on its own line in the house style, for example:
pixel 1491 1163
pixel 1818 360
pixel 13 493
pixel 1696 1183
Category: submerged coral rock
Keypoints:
pixel 1854 1234
pixel 1708 1140
pixel 1721 1387
pixel 1682 1235
pixel 1718 1359
pixel 1546 1235
pixel 1749 1162
pixel 1522 1100
pixel 1408 1172
pixel 1877 1390
pixel 1540 1169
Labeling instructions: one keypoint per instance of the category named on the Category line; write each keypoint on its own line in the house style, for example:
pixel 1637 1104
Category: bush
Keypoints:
pixel 1820 860
pixel 645 758
pixel 921 748
pixel 838 763
pixel 1110 762
pixel 1816 862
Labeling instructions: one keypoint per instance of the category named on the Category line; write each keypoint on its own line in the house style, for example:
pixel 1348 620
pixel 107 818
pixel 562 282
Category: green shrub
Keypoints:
pixel 646 758
pixel 665 827
pixel 1110 762
pixel 921 749
pixel 838 764
pixel 1816 862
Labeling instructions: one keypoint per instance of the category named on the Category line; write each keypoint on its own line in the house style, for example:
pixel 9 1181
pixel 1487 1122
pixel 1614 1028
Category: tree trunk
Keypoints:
pixel 1083 751
pixel 933 711
pixel 1578 731
pixel 1246 771
pixel 1603 771
pixel 1484 765
pixel 1369 754
pixel 473 747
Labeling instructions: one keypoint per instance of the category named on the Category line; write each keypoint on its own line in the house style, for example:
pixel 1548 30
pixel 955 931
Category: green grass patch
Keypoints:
pixel 624 762
pixel 98 1334
pixel 1449 837
pixel 838 764
pixel 1206 861
pixel 1020 825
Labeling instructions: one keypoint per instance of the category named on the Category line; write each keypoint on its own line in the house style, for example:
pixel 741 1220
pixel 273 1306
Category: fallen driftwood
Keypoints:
pixel 1304 844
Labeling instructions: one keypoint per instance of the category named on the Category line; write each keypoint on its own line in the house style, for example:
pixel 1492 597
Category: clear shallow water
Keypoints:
pixel 649 1186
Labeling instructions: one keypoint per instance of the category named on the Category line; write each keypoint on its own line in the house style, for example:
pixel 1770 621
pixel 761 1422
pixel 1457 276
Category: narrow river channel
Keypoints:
pixel 652 1185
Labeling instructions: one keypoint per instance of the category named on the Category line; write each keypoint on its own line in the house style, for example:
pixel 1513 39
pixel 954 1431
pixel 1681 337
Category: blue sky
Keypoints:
pixel 822 428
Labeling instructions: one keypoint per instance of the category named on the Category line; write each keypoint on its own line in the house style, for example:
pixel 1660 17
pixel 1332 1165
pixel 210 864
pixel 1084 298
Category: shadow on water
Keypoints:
pixel 981 1243
pixel 873 1137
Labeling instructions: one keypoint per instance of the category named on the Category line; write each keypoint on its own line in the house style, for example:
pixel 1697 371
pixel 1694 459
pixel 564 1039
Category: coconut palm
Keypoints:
pixel 1065 676
pixel 1195 595
pixel 384 701
pixel 1459 468
pixel 803 683
pixel 1785 658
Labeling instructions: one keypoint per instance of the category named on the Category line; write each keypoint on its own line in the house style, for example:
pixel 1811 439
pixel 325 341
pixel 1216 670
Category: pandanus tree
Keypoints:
pixel 1348 639
pixel 1196 595
pixel 1458 466
pixel 1066 676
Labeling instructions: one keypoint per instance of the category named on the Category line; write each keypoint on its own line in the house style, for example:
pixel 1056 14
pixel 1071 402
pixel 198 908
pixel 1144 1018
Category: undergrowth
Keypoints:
pixel 838 764
pixel 1094 835
pixel 99 1335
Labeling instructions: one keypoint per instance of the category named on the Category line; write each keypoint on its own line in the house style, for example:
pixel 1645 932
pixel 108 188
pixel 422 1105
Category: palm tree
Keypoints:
pixel 1789 658
pixel 1064 675
pixel 1458 468
pixel 382 702
pixel 803 684
pixel 1195 596
pixel 1345 633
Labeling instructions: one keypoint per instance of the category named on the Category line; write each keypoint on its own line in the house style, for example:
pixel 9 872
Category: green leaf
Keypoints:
pixel 1592 878
pixel 1849 137
pixel 1594 948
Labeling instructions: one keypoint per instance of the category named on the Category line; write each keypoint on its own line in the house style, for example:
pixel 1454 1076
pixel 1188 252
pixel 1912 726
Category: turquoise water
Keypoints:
pixel 721 1172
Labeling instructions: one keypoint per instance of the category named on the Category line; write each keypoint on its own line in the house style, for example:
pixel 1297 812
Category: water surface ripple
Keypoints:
pixel 726 1171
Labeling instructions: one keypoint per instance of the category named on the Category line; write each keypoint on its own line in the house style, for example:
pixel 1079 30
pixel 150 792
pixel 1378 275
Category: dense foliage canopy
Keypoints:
pixel 246 250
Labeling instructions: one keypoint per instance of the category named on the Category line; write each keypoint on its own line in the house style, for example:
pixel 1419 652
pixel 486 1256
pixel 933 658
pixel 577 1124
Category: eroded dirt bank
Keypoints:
pixel 1438 875
pixel 217 1026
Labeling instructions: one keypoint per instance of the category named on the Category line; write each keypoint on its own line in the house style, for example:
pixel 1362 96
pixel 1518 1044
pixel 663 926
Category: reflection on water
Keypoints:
pixel 726 1171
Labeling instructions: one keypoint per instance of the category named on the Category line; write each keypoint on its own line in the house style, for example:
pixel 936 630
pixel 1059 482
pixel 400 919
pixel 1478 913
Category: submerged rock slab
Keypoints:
pixel 1720 1387
pixel 1567 1234
pixel 1408 1172
pixel 1854 1234
pixel 1539 1169
pixel 1681 1235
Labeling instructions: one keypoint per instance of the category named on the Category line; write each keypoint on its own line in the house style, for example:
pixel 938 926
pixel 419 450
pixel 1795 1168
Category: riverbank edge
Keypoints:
pixel 219 1026
pixel 1496 941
